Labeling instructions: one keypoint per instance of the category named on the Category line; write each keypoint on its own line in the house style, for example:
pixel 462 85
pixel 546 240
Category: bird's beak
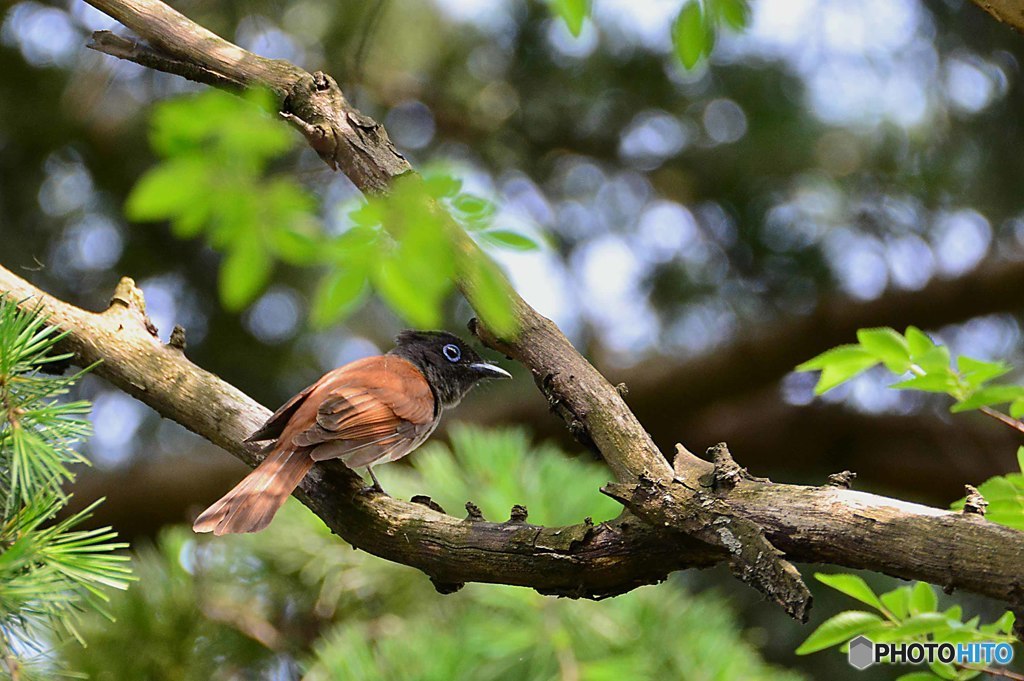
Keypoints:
pixel 485 370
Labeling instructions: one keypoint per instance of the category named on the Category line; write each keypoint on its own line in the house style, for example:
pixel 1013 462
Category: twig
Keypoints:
pixel 1006 420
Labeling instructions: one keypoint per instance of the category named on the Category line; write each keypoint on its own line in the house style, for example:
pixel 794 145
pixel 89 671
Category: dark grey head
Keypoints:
pixel 450 365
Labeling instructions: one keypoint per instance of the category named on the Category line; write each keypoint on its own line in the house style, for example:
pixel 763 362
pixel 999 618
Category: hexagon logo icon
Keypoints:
pixel 862 653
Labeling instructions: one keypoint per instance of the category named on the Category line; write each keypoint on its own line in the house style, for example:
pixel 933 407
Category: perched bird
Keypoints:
pixel 370 411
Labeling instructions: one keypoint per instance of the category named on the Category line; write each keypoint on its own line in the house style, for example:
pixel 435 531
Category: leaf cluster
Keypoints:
pixel 905 614
pixel 927 366
pixel 213 181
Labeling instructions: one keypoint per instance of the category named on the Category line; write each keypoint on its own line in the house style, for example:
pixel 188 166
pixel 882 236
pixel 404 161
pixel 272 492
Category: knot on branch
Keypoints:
pixel 727 472
pixel 695 513
pixel 518 514
pixel 473 511
pixel 688 466
pixel 843 479
pixel 424 500
pixel 444 588
pixel 975 503
pixel 177 339
pixel 128 297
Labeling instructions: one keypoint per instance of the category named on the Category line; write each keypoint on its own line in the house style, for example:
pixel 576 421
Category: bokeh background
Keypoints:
pixel 837 165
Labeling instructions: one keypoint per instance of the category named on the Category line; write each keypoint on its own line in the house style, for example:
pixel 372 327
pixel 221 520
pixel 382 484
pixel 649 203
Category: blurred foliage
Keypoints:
pixel 905 614
pixel 212 181
pixel 930 369
pixel 715 226
pixel 927 366
pixel 693 31
pixel 294 597
pixel 52 574
pixel 573 12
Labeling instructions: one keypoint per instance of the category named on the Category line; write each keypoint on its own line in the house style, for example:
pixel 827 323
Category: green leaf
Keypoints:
pixel 837 355
pixel 887 346
pixel 851 585
pixel 1017 408
pixel 442 185
pixel 337 295
pixel 368 215
pixel 297 245
pixel 918 342
pixel 918 676
pixel 943 670
pixel 419 305
pixel 1020 458
pixel 242 131
pixel 923 598
pixel 915 625
pixel 934 360
pixel 839 629
pixel 734 13
pixel 1005 622
pixel 244 273
pixel 996 394
pixel 976 372
pixel 490 295
pixel 838 365
pixel 573 12
pixel 897 602
pixel 475 209
pixel 690 34
pixel 170 189
pixel 930 383
pixel 509 239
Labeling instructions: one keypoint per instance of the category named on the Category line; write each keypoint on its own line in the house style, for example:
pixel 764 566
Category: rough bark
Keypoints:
pixel 821 525
pixel 1009 12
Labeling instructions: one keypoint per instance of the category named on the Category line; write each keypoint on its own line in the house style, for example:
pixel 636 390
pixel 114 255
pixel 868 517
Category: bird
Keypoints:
pixel 370 411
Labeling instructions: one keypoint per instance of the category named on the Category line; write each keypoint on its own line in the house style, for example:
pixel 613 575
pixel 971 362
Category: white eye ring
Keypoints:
pixel 452 352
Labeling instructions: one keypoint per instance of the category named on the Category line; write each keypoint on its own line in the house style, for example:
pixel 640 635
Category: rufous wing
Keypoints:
pixel 380 410
pixel 372 410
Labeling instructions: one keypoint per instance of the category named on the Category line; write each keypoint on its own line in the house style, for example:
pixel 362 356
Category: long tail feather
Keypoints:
pixel 251 505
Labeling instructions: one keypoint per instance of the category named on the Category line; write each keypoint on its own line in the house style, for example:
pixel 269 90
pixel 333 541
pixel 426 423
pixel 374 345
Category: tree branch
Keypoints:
pixel 814 524
pixel 1006 11
pixel 581 560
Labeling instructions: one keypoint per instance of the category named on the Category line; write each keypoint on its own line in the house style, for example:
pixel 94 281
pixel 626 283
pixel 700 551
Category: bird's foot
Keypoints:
pixel 374 489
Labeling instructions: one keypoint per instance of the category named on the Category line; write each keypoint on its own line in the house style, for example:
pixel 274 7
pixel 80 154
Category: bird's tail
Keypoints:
pixel 251 505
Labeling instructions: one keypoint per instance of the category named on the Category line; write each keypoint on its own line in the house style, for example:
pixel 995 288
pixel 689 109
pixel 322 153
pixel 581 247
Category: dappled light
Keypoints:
pixel 702 195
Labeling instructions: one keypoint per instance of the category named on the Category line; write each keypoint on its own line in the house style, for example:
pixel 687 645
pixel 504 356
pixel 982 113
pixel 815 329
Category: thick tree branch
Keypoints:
pixel 822 525
pixel 581 561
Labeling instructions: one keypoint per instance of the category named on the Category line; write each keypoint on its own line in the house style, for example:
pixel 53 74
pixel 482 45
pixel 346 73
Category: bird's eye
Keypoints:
pixel 452 352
